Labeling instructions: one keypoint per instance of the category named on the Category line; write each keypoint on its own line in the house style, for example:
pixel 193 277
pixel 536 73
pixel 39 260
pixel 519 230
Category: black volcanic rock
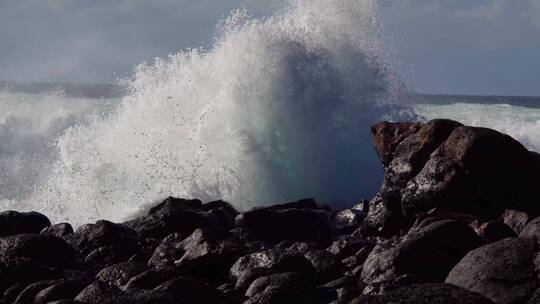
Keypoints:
pixel 120 274
pixel 90 237
pixel 298 222
pixel 27 295
pixel 188 288
pixel 425 294
pixel 43 249
pixel 59 230
pixel 515 219
pixel 532 230
pixel 493 231
pixel 503 271
pixel 427 252
pixel 448 191
pixel 13 222
pixel 470 170
pixel 250 267
pixel 181 216
pixel 206 252
pixel 66 289
pixel 289 281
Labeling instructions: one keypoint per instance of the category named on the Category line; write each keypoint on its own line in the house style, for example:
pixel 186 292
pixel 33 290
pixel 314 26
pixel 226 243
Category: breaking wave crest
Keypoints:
pixel 278 109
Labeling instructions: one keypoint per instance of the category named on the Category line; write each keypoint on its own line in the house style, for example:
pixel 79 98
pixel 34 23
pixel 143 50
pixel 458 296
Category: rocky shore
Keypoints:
pixel 455 221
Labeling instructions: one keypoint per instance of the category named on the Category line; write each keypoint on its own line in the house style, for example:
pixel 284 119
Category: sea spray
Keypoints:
pixel 278 109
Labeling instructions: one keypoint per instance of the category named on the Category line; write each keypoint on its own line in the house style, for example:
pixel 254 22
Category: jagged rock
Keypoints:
pixel 13 222
pixel 170 249
pixel 59 230
pixel 205 253
pixel 425 294
pixel 103 293
pixel 223 211
pixel 188 288
pixel 348 220
pixel 119 274
pixel 427 252
pixel 470 170
pixel 28 294
pixel 175 204
pixel 327 266
pixel 108 255
pixel 495 231
pixel 290 281
pixel 12 292
pixel 502 271
pixel 47 250
pixel 183 216
pixel 302 223
pixel 103 233
pixel 149 279
pixel 515 219
pixel 296 247
pixel 252 266
pixel 66 289
pixel 532 230
pixel 212 252
pixel 477 171
pixel 348 246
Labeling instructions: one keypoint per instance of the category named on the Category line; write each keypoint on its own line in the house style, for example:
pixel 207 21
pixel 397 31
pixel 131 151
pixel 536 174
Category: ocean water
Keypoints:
pixel 278 109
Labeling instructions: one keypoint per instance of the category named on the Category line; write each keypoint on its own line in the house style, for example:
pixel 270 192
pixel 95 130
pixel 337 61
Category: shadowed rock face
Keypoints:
pixel 442 230
pixel 443 164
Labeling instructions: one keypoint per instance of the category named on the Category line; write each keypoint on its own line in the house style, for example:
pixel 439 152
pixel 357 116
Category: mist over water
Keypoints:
pixel 278 109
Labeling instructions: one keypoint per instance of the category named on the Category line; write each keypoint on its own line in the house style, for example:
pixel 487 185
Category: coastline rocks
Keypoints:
pixel 443 229
pixel 503 271
pixel 13 222
pixel 182 216
pixel 58 230
pixel 250 267
pixel 441 163
pixel 90 237
pixel 300 221
pixel 425 294
pixel 427 253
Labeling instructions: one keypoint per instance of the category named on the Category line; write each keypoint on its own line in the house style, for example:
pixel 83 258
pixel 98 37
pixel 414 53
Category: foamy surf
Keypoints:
pixel 278 109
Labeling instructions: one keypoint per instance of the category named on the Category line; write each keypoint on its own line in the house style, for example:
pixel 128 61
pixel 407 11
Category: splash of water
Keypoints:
pixel 278 109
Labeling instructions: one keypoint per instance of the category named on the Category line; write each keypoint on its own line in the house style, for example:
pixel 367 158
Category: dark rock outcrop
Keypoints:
pixel 441 163
pixel 425 294
pixel 448 191
pixel 503 271
pixel 13 222
pixel 298 221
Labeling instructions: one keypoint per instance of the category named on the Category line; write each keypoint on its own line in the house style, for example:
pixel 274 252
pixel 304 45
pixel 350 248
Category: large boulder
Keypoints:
pixel 27 258
pixel 13 222
pixel 65 289
pixel 208 253
pixel 197 291
pixel 252 266
pixel 90 237
pixel 182 216
pixel 503 271
pixel 425 294
pixel 299 221
pixel 443 164
pixel 428 252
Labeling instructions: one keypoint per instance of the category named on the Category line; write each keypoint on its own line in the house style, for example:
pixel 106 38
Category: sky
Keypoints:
pixel 483 47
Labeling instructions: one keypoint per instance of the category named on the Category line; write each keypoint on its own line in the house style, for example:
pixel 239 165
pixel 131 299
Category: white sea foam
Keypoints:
pixel 278 109
pixel 522 123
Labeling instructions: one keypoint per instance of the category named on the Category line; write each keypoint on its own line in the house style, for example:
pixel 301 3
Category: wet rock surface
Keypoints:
pixel 456 221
